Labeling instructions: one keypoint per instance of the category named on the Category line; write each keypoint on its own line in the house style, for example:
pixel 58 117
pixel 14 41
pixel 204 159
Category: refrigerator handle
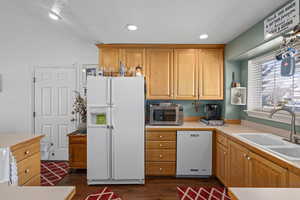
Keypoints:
pixel 108 91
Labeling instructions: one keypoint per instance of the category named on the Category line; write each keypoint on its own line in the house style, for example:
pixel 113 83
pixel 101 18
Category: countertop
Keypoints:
pixel 10 140
pixel 36 193
pixel 231 131
pixel 265 193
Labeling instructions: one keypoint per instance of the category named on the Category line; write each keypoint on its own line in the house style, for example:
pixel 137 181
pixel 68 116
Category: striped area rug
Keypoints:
pixel 53 171
pixel 202 193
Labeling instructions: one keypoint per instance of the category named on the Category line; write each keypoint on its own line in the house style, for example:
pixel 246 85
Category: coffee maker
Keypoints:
pixel 213 114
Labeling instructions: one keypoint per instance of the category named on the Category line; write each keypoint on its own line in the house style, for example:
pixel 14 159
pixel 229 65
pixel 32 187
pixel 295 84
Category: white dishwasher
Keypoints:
pixel 194 153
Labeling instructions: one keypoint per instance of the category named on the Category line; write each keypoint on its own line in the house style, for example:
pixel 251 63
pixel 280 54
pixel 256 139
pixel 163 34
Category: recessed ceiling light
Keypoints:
pixel 54 16
pixel 203 36
pixel 132 27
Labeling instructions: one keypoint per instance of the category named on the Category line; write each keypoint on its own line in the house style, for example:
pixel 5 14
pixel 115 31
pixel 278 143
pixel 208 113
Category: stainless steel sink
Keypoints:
pixel 263 139
pixel 291 152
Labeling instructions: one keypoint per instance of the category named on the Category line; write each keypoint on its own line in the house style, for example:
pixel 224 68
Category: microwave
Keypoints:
pixel 166 114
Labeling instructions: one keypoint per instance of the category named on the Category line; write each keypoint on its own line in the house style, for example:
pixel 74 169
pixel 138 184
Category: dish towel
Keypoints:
pixel 13 170
pixel 5 166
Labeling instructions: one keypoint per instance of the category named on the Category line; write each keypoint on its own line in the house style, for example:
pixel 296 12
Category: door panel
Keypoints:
pixel 238 165
pixel 211 64
pixel 128 131
pixel 186 74
pixel 159 73
pixel 222 163
pixel 54 97
pixel 264 173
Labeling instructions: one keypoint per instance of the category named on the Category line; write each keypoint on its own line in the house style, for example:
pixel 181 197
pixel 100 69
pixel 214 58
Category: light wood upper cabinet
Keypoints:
pixel 222 163
pixel 264 173
pixel 238 165
pixel 109 58
pixel 185 74
pixel 159 66
pixel 211 72
pixel 133 57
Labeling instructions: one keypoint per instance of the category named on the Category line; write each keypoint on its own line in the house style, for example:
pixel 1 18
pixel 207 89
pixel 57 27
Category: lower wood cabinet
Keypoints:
pixel 160 153
pixel 238 172
pixel 294 180
pixel 77 151
pixel 264 173
pixel 222 163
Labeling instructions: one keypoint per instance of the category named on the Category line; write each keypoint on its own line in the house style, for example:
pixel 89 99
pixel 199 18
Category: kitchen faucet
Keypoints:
pixel 293 137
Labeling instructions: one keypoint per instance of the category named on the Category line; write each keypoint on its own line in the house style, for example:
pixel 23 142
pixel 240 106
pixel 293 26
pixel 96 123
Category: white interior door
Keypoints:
pixel 54 97
pixel 128 128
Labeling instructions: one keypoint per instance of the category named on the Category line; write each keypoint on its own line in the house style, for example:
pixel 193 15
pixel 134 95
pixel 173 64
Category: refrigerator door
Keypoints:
pixel 128 128
pixel 98 131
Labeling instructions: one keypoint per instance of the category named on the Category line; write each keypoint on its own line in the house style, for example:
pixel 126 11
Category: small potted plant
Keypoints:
pixel 79 107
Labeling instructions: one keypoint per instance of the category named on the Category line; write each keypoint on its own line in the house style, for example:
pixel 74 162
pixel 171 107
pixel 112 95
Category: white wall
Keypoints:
pixel 28 39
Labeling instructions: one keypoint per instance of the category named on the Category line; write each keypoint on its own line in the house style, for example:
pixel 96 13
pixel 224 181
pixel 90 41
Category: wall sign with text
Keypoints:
pixel 286 18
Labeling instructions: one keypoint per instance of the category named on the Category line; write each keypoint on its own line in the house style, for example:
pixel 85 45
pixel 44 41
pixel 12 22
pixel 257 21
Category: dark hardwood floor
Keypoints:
pixel 156 188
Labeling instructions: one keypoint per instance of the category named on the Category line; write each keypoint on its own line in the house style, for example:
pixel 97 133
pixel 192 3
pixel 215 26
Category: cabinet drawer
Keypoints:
pixel 161 144
pixel 26 151
pixel 77 139
pixel 160 168
pixel 160 155
pixel 29 168
pixel 161 136
pixel 35 181
pixel 221 139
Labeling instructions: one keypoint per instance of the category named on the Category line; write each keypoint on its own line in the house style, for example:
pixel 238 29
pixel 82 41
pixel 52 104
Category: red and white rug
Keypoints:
pixel 105 194
pixel 202 193
pixel 52 172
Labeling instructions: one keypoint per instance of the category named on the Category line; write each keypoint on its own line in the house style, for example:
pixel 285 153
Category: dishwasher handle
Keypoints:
pixel 194 135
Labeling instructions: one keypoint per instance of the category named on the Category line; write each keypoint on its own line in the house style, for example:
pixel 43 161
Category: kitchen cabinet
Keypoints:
pixel 109 59
pixel 77 151
pixel 211 74
pixel 294 180
pixel 28 157
pixel 181 72
pixel 133 57
pixel 238 171
pixel 159 66
pixel 264 173
pixel 160 153
pixel 222 163
pixel 185 74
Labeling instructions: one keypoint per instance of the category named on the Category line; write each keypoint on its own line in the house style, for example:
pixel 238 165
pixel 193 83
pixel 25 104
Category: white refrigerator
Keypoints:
pixel 115 130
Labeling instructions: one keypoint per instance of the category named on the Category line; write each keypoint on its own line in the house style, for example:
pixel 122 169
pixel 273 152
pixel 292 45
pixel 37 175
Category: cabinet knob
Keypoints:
pixel 160 169
pixel 160 136
pixel 160 156
pixel 160 145
pixel 248 158
pixel 26 171
pixel 27 152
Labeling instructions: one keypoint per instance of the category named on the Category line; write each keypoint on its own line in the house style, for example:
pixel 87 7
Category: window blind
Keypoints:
pixel 267 89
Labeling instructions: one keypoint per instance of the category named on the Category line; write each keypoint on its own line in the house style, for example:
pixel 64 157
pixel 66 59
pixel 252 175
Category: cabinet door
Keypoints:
pixel 238 165
pixel 109 59
pixel 185 74
pixel 159 73
pixel 294 180
pixel 211 65
pixel 221 163
pixel 264 173
pixel 133 57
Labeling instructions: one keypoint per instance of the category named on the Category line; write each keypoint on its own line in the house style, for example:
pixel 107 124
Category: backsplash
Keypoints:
pixel 188 107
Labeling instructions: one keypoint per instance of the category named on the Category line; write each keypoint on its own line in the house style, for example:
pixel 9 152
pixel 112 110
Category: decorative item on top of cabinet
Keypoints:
pixel 185 74
pixel 159 66
pixel 211 74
